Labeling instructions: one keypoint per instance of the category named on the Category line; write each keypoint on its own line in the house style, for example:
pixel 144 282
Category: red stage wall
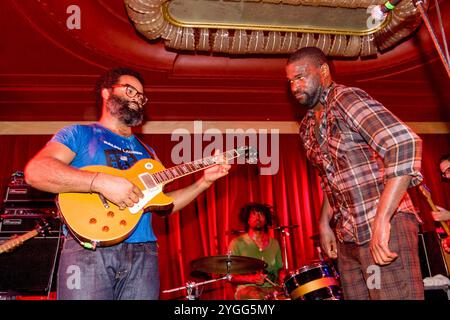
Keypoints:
pixel 203 228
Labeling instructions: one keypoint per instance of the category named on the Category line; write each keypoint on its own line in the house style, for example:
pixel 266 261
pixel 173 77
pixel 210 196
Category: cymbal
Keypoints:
pixel 223 264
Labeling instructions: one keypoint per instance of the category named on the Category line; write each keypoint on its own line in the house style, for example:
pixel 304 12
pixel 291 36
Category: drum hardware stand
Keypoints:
pixel 319 253
pixel 191 285
pixel 285 233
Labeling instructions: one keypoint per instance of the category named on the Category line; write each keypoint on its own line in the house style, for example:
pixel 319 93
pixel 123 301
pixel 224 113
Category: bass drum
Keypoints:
pixel 277 295
pixel 316 281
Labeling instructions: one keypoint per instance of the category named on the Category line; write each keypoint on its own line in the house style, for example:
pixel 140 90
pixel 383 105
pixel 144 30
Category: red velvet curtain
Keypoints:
pixel 204 228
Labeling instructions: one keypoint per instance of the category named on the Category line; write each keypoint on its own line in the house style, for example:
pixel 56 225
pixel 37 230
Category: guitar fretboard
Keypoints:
pixel 12 243
pixel 184 169
pixel 426 192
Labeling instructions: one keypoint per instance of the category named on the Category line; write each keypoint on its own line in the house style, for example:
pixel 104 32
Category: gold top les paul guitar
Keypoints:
pixel 98 222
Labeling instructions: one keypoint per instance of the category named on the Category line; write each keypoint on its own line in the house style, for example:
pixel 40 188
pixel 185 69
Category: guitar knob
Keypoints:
pixel 105 229
pixel 110 214
pixel 123 223
pixel 92 221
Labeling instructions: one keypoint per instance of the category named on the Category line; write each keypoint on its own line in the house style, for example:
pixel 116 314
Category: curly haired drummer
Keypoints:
pixel 257 243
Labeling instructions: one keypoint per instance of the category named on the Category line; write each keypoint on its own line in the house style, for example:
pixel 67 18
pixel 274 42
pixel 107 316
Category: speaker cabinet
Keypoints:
pixel 14 224
pixel 31 267
pixel 432 259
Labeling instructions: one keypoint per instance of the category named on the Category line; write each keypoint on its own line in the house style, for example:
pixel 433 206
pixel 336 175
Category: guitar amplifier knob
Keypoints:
pixel 92 221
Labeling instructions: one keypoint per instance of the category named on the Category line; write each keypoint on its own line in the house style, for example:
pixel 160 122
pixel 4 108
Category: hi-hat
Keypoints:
pixel 228 264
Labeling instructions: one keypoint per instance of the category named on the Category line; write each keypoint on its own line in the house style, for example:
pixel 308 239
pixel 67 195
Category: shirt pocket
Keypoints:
pixel 337 141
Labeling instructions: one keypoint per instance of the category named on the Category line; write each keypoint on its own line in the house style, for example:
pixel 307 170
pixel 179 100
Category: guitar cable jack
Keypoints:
pixel 89 245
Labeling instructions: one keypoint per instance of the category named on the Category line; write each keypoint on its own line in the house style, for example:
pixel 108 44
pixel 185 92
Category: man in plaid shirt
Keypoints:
pixel 366 159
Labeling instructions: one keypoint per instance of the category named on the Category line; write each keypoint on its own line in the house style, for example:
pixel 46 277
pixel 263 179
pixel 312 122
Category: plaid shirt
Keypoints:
pixel 360 146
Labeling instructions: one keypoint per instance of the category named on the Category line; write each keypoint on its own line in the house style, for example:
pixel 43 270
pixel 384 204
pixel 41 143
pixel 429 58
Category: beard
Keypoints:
pixel 120 108
pixel 259 226
pixel 310 98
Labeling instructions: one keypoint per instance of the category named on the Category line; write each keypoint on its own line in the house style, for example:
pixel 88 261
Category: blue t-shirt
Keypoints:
pixel 96 145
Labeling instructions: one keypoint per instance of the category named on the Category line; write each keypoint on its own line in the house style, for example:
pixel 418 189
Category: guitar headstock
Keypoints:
pixel 43 227
pixel 250 153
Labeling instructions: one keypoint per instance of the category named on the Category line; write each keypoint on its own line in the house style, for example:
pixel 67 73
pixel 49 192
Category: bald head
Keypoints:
pixel 313 54
pixel 309 75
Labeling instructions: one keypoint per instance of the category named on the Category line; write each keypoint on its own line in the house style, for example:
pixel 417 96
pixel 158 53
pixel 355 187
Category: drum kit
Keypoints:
pixel 318 280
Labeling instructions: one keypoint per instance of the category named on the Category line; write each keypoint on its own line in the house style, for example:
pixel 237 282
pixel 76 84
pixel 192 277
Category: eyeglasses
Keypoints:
pixel 132 92
pixel 446 173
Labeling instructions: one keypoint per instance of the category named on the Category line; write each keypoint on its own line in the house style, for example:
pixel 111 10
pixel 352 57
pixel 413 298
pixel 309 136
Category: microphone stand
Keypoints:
pixel 445 60
pixel 190 285
pixel 284 234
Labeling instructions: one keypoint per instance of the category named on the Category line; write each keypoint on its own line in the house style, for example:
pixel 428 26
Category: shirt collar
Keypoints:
pixel 323 98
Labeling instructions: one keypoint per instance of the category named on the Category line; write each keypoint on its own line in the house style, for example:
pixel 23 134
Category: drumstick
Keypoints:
pixel 270 281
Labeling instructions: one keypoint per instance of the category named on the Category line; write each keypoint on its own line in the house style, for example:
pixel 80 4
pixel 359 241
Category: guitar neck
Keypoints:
pixel 444 226
pixel 170 174
pixel 433 207
pixel 12 243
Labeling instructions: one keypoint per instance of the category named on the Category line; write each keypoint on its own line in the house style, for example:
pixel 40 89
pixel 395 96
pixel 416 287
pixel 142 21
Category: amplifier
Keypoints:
pixel 432 256
pixel 28 211
pixel 19 191
pixel 30 268
pixel 26 193
pixel 11 225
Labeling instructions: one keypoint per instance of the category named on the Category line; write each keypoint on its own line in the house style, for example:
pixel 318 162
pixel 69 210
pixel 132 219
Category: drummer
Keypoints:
pixel 256 243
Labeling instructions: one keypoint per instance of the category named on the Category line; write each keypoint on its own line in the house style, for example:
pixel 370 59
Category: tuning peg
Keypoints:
pixel 251 156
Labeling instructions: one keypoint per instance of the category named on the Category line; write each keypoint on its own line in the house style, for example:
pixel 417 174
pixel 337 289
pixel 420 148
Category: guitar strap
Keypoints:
pixel 150 151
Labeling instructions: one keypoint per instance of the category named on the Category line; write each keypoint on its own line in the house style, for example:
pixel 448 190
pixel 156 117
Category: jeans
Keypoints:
pixel 127 271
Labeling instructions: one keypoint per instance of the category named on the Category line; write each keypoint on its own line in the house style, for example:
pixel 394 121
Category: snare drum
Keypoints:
pixel 316 281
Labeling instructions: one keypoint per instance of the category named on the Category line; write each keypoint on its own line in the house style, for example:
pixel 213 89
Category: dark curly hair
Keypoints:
pixel 245 211
pixel 110 78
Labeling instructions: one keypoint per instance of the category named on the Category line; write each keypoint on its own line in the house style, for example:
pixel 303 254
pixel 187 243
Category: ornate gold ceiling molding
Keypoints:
pixel 341 28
